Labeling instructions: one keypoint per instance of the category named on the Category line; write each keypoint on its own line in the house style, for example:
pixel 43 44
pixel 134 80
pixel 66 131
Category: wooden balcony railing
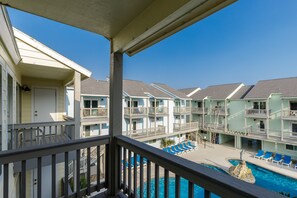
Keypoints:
pixel 177 127
pixel 181 110
pixel 136 178
pixel 68 152
pixel 135 111
pixel 257 112
pixel 158 110
pixel 94 112
pixel 199 110
pixel 31 134
pixel 129 176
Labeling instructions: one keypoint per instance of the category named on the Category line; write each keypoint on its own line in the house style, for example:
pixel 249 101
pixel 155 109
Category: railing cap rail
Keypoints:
pixel 11 156
pixel 39 124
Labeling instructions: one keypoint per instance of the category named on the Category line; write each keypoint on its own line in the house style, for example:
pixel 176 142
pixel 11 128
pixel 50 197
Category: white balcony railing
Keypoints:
pixel 146 131
pixel 158 110
pixel 181 110
pixel 215 126
pixel 134 111
pixel 199 110
pixel 257 112
pixel 177 127
pixel 94 112
pixel 220 110
pixel 290 114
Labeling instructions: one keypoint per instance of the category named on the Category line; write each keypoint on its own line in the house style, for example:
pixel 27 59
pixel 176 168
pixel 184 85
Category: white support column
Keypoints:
pixel 14 110
pixel 77 87
pixel 267 120
pixel 4 107
pixel 226 119
pixel 115 121
pixel 282 122
pixel 168 116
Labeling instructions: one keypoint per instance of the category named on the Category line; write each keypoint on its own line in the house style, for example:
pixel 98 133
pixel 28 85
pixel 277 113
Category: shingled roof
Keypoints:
pixel 285 86
pixel 169 90
pixel 140 89
pixel 216 92
pixel 92 86
pixel 189 91
pixel 242 92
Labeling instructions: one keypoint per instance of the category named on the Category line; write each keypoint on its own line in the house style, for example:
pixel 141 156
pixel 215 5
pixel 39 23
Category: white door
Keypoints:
pixel 44 105
pixel 45 183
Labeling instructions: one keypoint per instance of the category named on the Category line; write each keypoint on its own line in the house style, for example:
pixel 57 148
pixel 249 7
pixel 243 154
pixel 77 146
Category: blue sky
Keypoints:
pixel 245 42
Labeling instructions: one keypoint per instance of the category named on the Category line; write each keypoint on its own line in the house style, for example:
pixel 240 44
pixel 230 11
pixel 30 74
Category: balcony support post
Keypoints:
pixel 115 120
pixel 155 117
pixel 267 119
pixel 282 122
pixel 77 87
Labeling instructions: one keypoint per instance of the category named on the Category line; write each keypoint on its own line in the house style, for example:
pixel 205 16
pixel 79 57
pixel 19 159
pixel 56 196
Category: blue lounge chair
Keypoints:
pixel 191 145
pixel 127 164
pixel 296 166
pixel 144 160
pixel 183 148
pixel 287 160
pixel 174 150
pixel 277 158
pixel 171 151
pixel 267 156
pixel 187 147
pixel 260 154
pixel 179 149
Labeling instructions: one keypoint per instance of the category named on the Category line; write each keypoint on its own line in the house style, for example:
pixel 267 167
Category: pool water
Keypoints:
pixel 198 191
pixel 271 180
pixel 264 178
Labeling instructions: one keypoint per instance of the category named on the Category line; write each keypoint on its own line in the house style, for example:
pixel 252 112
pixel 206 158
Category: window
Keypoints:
pixel 293 106
pixel 90 103
pixel 262 105
pixel 199 104
pixel 291 147
pixel 294 127
pixel 262 125
pixel 255 105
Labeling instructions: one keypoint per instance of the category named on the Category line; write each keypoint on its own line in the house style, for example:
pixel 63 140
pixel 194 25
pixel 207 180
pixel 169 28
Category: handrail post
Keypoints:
pixel 115 120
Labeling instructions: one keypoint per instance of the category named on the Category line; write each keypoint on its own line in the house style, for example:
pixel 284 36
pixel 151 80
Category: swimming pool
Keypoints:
pixel 271 180
pixel 198 191
pixel 264 178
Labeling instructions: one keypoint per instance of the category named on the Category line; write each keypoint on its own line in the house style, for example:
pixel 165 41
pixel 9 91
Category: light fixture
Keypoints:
pixel 25 88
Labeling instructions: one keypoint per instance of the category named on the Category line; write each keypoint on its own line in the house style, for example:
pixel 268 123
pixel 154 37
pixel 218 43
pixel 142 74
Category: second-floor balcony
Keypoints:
pixel 32 134
pixel 217 127
pixel 289 114
pixel 185 127
pixel 135 111
pixel 218 110
pixel 158 110
pixel 181 110
pixel 199 110
pixel 257 113
pixel 146 132
pixel 94 112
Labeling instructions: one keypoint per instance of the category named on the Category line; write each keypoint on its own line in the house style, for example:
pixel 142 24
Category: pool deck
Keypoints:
pixel 218 155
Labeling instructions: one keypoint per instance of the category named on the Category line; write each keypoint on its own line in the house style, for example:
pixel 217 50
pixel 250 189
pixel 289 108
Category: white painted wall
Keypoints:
pixel 69 101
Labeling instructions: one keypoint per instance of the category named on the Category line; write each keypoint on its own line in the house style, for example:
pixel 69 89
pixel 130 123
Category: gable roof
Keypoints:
pixel 135 88
pixel 217 92
pixel 189 91
pixel 43 55
pixel 242 92
pixel 264 88
pixel 170 91
pixel 92 86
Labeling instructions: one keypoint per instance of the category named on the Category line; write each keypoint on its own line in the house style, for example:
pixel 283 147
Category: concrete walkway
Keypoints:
pixel 218 155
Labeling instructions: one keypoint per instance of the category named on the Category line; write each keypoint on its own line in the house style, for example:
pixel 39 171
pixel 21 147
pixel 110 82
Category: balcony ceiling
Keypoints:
pixel 131 25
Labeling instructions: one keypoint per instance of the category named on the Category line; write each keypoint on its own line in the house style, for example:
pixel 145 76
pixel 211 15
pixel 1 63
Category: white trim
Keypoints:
pixel 194 91
pixel 36 44
pixel 234 92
